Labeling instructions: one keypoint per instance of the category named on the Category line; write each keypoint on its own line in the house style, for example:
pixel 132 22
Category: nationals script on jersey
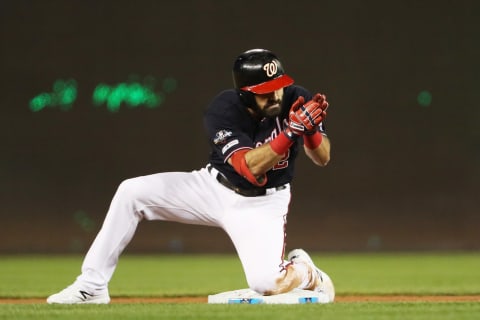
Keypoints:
pixel 231 127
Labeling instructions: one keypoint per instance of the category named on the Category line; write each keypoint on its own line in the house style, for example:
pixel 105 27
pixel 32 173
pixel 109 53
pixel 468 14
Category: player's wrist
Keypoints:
pixel 283 142
pixel 312 140
pixel 292 134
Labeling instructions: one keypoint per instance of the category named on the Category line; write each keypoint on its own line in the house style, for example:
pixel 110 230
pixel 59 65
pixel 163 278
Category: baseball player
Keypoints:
pixel 255 131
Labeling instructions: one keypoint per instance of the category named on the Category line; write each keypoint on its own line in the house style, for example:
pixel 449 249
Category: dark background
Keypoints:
pixel 404 175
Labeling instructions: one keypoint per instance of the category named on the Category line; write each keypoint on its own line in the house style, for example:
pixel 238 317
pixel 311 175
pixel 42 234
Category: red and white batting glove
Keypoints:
pixel 321 99
pixel 295 126
pixel 312 138
pixel 305 117
pixel 303 120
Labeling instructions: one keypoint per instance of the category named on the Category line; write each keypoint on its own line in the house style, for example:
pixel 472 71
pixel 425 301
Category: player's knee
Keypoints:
pixel 129 190
pixel 265 284
pixel 276 282
pixel 260 287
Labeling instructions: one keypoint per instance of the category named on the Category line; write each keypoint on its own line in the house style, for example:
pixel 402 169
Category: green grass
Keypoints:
pixel 405 273
pixel 357 311
pixel 199 275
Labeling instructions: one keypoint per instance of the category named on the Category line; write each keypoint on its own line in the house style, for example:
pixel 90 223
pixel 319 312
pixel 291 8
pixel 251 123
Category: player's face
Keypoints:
pixel 270 104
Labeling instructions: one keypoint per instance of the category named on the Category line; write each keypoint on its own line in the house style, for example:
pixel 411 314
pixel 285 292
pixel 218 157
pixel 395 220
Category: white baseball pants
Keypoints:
pixel 256 225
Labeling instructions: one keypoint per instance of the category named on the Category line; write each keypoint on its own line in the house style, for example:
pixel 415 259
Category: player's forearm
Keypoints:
pixel 321 154
pixel 261 159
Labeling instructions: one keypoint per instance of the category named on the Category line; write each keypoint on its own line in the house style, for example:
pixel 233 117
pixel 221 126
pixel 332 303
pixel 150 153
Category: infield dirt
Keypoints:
pixel 338 299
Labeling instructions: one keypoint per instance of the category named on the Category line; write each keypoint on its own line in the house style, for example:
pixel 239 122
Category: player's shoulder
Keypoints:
pixel 225 102
pixel 294 91
pixel 227 95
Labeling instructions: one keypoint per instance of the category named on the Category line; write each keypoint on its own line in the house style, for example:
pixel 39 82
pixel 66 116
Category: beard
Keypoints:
pixel 272 109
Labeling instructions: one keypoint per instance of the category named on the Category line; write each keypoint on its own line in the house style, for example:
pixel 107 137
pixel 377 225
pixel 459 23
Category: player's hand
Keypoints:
pixel 306 117
pixel 318 115
pixel 321 99
pixel 295 126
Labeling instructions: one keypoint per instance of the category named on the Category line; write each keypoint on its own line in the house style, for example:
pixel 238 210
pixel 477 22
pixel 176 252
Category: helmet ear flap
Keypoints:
pixel 248 98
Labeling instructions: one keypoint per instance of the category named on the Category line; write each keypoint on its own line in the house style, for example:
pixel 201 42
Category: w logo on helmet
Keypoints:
pixel 259 71
pixel 271 68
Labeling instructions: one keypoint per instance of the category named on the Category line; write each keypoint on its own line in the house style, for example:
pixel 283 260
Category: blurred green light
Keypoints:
pixel 132 94
pixel 85 222
pixel 137 95
pixel 101 93
pixel 63 95
pixel 424 98
pixel 169 85
pixel 40 102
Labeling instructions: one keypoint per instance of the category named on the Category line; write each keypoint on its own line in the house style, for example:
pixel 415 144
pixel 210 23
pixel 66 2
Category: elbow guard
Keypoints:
pixel 240 165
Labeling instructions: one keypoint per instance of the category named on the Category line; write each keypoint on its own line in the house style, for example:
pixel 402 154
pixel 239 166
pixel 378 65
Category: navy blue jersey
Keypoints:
pixel 230 127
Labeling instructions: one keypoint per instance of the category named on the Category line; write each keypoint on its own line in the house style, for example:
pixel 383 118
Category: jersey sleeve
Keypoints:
pixel 227 128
